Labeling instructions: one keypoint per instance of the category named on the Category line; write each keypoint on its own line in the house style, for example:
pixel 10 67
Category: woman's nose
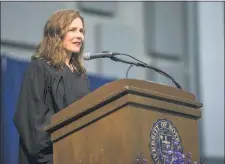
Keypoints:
pixel 79 35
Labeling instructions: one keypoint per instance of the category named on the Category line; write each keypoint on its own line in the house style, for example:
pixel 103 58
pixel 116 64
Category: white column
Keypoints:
pixel 211 60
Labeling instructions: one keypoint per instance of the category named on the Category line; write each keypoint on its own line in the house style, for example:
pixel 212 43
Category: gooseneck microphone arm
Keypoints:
pixel 112 56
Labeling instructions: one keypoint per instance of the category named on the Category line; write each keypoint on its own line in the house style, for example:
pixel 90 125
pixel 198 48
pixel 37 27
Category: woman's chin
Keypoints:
pixel 76 51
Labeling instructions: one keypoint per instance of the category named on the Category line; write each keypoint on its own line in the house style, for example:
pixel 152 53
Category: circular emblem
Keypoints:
pixel 163 137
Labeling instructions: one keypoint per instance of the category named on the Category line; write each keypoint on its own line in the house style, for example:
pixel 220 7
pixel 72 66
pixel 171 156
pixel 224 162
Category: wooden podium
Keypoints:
pixel 114 123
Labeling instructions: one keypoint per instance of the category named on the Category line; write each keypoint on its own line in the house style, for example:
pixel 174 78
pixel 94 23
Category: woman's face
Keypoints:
pixel 74 38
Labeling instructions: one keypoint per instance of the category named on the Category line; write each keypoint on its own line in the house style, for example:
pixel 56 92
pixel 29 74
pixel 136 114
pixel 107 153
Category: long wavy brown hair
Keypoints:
pixel 51 47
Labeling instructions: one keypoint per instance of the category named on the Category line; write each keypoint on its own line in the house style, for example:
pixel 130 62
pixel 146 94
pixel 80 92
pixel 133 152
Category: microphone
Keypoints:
pixel 112 56
pixel 104 54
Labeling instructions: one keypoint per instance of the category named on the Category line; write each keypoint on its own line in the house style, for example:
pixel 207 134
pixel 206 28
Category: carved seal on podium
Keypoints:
pixel 163 135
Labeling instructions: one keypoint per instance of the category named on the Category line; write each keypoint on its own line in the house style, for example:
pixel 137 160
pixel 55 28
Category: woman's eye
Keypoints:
pixel 73 29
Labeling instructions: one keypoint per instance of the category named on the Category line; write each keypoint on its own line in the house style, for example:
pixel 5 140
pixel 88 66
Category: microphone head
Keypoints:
pixel 87 56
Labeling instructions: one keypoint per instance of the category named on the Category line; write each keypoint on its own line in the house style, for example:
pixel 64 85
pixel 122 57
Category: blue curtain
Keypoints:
pixel 12 74
pixel 11 80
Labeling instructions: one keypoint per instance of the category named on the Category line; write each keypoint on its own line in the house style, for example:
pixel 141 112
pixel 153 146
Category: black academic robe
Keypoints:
pixel 44 92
